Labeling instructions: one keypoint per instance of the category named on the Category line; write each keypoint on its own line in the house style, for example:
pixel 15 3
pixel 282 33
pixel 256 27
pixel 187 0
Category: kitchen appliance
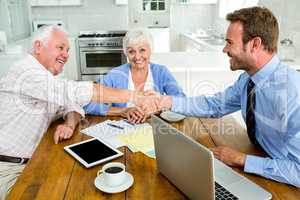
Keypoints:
pixel 99 52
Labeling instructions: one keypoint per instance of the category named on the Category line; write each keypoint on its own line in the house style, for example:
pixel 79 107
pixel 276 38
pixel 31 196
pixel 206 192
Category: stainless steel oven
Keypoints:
pixel 99 52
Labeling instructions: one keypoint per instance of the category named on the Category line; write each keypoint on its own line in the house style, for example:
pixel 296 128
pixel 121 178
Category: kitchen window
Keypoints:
pixel 154 5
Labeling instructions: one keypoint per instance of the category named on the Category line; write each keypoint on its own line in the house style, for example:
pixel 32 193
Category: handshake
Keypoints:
pixel 146 103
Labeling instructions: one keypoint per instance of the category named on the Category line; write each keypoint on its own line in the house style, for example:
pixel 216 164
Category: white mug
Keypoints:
pixel 113 174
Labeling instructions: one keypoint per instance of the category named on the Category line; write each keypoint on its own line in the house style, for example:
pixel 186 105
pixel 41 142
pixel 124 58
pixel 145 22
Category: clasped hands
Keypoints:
pixel 146 103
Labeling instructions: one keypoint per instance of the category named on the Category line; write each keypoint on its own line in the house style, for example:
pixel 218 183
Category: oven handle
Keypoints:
pixel 97 50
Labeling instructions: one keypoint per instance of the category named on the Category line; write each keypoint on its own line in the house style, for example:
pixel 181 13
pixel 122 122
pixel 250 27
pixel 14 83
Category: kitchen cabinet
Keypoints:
pixel 148 13
pixel 14 19
pixel 198 72
pixel 56 2
pixel 121 2
pixel 197 1
pixel 161 39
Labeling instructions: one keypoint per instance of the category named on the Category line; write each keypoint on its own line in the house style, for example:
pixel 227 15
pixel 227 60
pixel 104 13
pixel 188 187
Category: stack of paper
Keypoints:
pixel 140 140
pixel 108 130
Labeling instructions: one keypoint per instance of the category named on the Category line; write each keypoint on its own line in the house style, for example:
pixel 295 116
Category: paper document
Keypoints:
pixel 140 140
pixel 108 130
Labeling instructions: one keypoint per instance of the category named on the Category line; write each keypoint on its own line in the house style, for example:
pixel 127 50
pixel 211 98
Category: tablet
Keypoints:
pixel 92 152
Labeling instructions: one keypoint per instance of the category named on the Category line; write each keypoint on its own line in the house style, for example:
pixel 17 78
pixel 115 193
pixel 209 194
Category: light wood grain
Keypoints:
pixel 54 174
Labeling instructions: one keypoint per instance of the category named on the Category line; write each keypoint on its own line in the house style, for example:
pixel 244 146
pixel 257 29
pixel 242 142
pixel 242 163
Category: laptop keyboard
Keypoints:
pixel 221 193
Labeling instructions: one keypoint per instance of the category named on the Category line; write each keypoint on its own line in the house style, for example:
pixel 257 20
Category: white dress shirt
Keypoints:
pixel 30 96
pixel 149 84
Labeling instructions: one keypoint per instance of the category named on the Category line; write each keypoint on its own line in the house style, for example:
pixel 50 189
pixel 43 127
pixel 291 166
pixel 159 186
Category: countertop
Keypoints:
pixel 207 60
pixel 212 49
pixel 206 46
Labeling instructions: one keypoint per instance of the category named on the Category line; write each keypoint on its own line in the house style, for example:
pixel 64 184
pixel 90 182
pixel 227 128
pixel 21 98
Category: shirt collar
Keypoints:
pixel 148 84
pixel 266 70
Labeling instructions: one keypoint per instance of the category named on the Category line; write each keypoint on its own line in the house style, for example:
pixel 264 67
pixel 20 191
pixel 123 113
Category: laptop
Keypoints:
pixel 191 167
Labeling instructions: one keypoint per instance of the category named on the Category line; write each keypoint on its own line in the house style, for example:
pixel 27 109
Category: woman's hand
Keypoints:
pixel 134 115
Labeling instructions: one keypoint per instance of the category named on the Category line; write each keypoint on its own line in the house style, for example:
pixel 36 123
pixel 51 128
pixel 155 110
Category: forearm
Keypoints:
pixel 286 171
pixel 103 94
pixel 203 106
pixel 72 119
pixel 194 106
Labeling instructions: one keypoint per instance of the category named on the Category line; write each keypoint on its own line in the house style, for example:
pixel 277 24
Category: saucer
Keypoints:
pixel 99 183
pixel 172 116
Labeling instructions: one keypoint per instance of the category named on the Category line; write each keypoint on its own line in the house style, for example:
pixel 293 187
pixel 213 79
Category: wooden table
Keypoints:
pixel 53 174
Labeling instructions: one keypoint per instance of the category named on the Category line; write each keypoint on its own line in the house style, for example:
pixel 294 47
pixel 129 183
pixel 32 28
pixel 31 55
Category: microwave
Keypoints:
pixel 38 23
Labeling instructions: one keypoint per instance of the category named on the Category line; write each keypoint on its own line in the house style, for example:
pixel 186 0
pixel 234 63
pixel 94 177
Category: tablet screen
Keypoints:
pixel 92 152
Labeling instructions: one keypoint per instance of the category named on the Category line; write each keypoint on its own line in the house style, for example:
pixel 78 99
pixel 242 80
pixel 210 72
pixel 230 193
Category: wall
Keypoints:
pixel 189 18
pixel 288 17
pixel 91 15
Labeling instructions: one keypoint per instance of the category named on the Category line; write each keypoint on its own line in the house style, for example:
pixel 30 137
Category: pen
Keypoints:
pixel 128 122
pixel 115 126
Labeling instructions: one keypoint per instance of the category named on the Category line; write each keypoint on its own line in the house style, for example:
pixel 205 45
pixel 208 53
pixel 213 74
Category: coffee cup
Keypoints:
pixel 113 174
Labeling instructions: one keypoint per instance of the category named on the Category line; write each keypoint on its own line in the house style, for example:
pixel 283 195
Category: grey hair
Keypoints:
pixel 43 34
pixel 137 36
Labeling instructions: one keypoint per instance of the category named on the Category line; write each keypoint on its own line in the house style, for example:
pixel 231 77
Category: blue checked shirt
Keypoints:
pixel 277 117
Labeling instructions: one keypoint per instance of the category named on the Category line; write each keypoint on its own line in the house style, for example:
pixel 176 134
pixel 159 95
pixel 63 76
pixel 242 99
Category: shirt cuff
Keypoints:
pixel 177 104
pixel 74 108
pixel 82 91
pixel 254 164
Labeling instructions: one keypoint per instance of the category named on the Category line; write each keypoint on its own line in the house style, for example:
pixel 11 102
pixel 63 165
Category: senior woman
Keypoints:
pixel 139 74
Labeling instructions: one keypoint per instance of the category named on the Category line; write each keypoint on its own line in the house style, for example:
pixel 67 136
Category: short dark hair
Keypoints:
pixel 257 22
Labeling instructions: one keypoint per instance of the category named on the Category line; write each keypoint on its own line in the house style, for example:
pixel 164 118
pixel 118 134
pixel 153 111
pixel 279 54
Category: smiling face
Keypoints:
pixel 139 55
pixel 54 53
pixel 238 52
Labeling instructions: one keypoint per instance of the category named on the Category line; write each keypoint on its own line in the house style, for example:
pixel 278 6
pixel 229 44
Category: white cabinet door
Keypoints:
pixel 55 2
pixel 137 17
pixel 161 39
pixel 121 2
pixel 14 19
pixel 197 1
pixel 18 11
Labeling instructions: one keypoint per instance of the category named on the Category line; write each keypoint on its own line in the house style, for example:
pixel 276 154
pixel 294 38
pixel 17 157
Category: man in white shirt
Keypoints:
pixel 31 95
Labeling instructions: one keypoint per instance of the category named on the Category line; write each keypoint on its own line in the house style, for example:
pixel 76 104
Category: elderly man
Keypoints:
pixel 31 95
pixel 268 94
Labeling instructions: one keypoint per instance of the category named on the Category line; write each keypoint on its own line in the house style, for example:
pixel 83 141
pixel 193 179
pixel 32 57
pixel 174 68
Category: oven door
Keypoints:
pixel 100 60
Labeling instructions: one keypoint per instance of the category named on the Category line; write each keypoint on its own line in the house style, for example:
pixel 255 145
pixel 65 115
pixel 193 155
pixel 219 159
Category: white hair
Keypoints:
pixel 137 36
pixel 43 34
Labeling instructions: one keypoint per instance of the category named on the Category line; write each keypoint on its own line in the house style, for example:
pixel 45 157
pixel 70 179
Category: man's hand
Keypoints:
pixel 165 103
pixel 62 132
pixel 134 115
pixel 148 101
pixel 229 156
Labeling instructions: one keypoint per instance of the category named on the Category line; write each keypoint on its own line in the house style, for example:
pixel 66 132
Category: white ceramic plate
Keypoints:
pixel 99 183
pixel 172 116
